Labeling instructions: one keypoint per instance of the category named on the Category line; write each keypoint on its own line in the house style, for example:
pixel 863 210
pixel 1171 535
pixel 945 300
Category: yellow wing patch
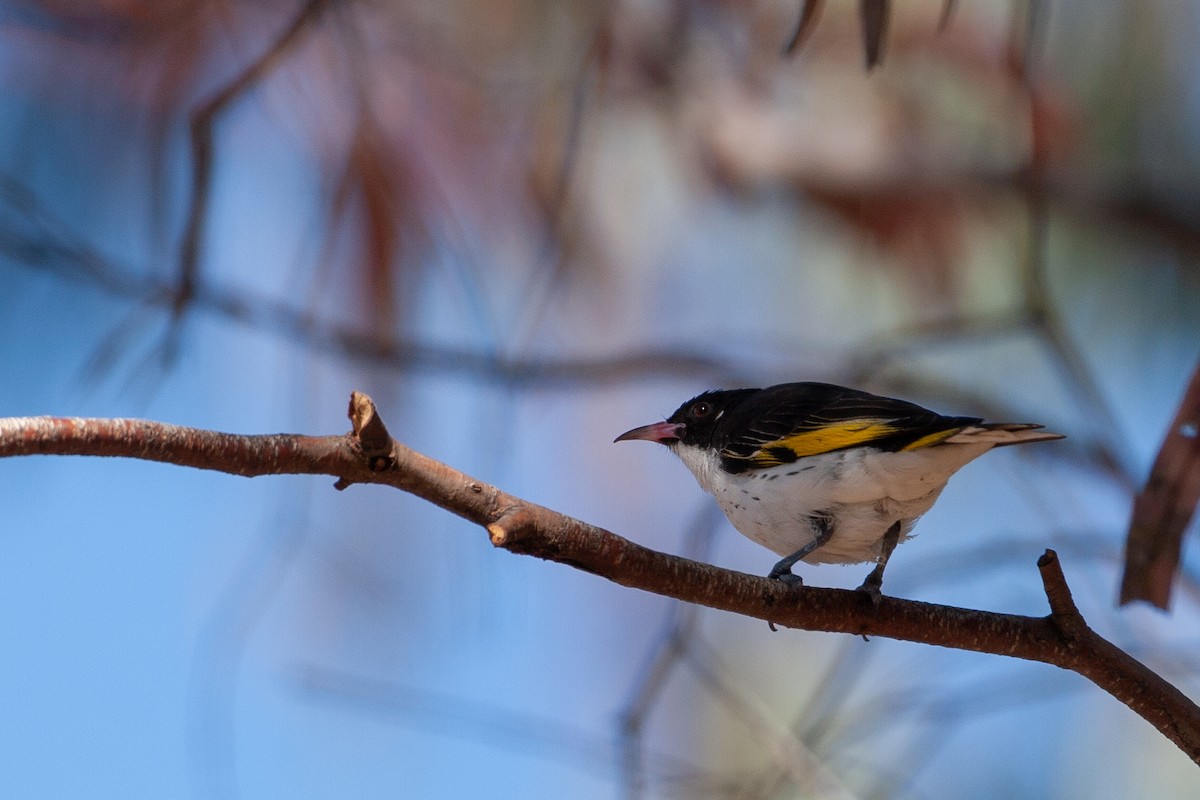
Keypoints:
pixel 825 439
pixel 931 439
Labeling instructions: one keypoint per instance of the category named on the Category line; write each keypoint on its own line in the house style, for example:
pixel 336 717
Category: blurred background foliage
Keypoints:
pixel 525 227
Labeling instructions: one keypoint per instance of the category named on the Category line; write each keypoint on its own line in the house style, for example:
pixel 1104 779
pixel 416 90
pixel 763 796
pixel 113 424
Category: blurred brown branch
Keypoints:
pixel 370 455
pixel 1165 507
pixel 202 127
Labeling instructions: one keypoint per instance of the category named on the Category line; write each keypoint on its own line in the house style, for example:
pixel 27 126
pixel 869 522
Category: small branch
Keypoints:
pixel 369 455
pixel 1062 604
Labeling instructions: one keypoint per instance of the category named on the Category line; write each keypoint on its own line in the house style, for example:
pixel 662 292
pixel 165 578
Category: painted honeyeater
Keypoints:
pixel 822 473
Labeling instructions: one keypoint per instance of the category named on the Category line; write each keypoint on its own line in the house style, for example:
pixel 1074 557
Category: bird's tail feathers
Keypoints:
pixel 1000 434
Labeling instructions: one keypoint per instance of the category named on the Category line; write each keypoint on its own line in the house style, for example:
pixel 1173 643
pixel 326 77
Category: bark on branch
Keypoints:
pixel 369 455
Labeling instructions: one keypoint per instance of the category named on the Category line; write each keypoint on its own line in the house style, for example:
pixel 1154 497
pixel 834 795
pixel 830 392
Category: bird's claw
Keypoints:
pixel 788 578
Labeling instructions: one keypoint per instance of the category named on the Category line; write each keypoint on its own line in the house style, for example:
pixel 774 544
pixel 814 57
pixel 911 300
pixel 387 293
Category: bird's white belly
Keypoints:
pixel 785 527
pixel 864 492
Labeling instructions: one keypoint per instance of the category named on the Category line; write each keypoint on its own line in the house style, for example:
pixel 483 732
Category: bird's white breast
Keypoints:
pixel 864 490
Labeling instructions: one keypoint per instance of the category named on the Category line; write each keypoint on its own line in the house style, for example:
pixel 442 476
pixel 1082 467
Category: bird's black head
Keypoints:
pixel 695 422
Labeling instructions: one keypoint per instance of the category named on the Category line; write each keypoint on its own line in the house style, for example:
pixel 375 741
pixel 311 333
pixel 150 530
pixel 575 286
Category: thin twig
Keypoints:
pixel 201 127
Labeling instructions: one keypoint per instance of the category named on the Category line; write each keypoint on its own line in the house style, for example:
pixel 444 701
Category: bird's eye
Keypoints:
pixel 701 410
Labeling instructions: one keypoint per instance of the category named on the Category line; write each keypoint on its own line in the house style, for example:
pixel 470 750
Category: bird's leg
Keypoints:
pixel 822 525
pixel 873 584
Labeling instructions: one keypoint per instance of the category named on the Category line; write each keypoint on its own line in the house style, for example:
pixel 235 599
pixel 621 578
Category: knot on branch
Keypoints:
pixel 370 434
pixel 509 526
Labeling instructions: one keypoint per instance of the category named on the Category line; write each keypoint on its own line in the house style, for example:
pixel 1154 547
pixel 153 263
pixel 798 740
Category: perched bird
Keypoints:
pixel 822 473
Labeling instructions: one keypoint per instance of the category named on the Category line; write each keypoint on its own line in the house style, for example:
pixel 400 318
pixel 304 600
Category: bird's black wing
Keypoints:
pixel 795 420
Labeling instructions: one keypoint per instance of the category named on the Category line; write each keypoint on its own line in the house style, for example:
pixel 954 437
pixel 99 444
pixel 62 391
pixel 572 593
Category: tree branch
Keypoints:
pixel 1163 510
pixel 369 455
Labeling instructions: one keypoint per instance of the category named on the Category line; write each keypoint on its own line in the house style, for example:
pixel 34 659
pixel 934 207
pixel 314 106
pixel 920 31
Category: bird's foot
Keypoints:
pixel 786 576
pixel 872 587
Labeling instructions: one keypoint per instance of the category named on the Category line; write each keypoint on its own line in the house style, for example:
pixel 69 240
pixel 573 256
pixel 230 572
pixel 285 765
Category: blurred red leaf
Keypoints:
pixel 874 17
pixel 378 192
pixel 804 27
pixel 921 225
